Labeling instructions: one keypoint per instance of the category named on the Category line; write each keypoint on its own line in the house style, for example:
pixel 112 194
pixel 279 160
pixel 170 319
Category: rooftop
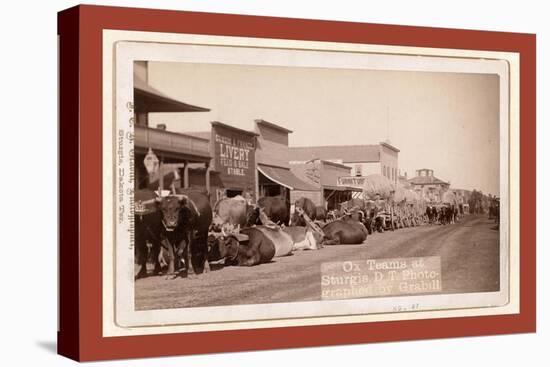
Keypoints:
pixel 149 99
pixel 272 125
pixel 323 161
pixel 389 146
pixel 345 153
pixel 246 132
pixel 208 134
pixel 427 180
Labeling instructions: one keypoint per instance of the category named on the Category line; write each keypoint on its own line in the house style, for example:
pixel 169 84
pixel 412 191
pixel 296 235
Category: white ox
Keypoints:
pixel 288 239
pixel 304 238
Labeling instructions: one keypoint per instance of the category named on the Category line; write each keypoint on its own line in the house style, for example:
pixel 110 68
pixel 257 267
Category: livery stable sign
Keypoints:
pixel 234 156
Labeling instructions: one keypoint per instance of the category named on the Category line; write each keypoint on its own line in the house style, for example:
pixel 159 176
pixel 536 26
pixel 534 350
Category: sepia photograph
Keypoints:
pixel 269 183
pixel 236 181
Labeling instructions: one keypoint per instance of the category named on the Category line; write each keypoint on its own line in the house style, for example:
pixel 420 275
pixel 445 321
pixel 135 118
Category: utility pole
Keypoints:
pixel 387 123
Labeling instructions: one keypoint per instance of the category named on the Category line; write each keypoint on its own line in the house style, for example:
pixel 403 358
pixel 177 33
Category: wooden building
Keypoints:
pixel 175 152
pixel 233 160
pixel 363 160
pixel 324 176
pixel 273 173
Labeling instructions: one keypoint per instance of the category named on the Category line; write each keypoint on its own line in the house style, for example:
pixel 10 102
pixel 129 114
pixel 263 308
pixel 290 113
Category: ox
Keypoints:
pixel 310 237
pixel 180 227
pixel 234 211
pixel 148 227
pixel 314 212
pixel 304 238
pixel 275 207
pixel 293 238
pixel 345 232
pixel 235 249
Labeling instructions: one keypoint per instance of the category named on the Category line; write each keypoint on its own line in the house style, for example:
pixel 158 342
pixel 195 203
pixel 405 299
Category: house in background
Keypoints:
pixel 428 186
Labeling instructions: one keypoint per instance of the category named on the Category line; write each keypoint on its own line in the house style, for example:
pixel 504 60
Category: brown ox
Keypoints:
pixel 310 209
pixel 257 249
pixel 275 207
pixel 345 232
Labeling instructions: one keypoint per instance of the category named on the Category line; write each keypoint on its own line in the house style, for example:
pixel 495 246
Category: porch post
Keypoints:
pixel 186 175
pixel 161 175
pixel 257 192
pixel 207 166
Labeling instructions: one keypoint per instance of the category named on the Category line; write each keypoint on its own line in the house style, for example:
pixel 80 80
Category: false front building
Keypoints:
pixel 249 163
pixel 274 175
pixel 363 160
pixel 324 176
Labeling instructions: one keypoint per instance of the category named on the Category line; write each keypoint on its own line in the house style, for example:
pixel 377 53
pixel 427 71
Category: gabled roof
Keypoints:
pixel 344 153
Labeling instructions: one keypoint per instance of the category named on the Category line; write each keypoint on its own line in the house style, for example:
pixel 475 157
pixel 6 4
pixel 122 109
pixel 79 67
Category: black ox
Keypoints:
pixel 178 226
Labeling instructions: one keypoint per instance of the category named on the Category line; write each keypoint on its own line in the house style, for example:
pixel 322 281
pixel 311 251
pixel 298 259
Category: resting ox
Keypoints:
pixel 310 237
pixel 260 244
pixel 234 249
pixel 344 232
pixel 288 239
pixel 304 238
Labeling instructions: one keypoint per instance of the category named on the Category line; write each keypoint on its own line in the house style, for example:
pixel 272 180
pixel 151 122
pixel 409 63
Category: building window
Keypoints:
pixel 358 170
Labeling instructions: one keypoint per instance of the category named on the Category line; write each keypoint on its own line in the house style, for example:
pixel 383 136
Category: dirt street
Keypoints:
pixel 469 252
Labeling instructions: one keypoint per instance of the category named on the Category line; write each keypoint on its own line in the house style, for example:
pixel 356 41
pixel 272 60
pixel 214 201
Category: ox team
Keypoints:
pixel 182 230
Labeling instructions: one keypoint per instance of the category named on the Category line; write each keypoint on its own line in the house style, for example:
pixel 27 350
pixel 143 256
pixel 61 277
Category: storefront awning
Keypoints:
pixel 285 178
pixel 148 99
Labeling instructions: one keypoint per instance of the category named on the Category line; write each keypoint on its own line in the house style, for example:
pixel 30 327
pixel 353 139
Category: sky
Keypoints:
pixel 448 122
